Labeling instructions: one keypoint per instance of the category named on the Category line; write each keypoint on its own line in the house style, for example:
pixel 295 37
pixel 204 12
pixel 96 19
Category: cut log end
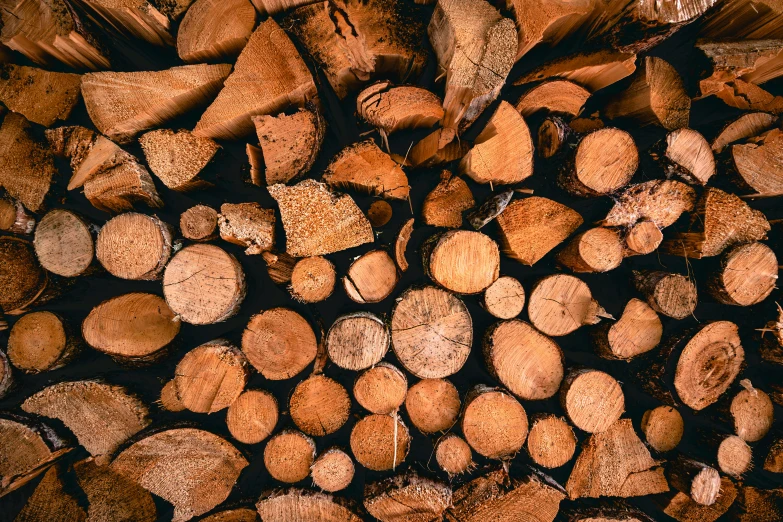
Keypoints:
pixel 595 250
pixel 333 470
pixel 454 455
pixel 41 341
pixel 494 423
pixel 446 256
pixel 734 456
pixel 752 412
pixel 64 243
pixel 747 275
pixel 247 225
pixel 380 442
pixel 379 213
pixel 560 304
pixel 505 298
pixel 643 238
pixel 371 278
pixel 319 405
pixel 312 279
pixel 593 400
pixel 134 246
pixel 638 331
pixel 551 442
pixel 604 161
pixel 198 223
pixel 252 417
pixel 381 389
pixel 663 427
pixel 433 405
pixel 673 295
pixel 279 343
pixel 211 377
pixel 289 455
pixel 357 341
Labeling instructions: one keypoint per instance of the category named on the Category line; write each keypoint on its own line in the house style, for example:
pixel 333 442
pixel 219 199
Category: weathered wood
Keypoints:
pixel 64 243
pixel 357 340
pixel 213 31
pixel 279 343
pixel 673 295
pixel 26 165
pixel 22 89
pixel 505 298
pixel 178 157
pixel 366 168
pixel 333 470
pixel 392 108
pixel 247 225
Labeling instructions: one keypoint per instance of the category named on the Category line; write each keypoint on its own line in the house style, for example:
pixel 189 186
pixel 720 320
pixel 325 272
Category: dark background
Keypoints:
pixel 612 290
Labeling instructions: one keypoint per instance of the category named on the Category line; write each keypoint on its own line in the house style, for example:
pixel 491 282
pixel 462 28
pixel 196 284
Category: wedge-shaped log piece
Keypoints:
pixel 444 205
pixel 123 104
pixel 190 468
pixel 318 222
pixel 356 41
pixel 390 108
pixel 546 22
pixel 300 505
pixel 531 227
pixel 755 61
pixel 290 144
pixel 476 48
pixel 556 96
pixel 429 152
pixel 177 158
pixel 409 497
pixel 24 89
pixel 135 19
pixel 215 30
pixel 615 463
pixel 112 496
pixel 269 76
pixel 365 167
pixel 758 164
pixel 742 128
pixel 273 7
pixel 659 201
pixel 51 501
pixel 683 508
pixel 638 331
pixel 685 153
pixel 247 225
pixel 503 151
pixel 593 71
pixel 26 165
pixel 22 279
pixel 745 20
pixel 745 96
pixel 102 416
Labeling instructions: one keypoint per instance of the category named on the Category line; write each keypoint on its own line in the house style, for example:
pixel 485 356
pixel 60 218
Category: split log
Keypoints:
pixel 177 158
pixel 23 280
pixel 317 221
pixel 289 455
pixel 64 243
pixel 51 501
pixel 429 152
pixel 252 417
pixel 615 463
pixel 407 497
pixel 546 23
pixel 273 7
pixel 445 204
pixel 134 246
pixel 644 237
pixel 742 128
pixel 672 295
pixel 446 256
pixel 503 152
pixel 560 97
pixel 551 441
pixel 593 70
pixel 124 104
pixel 531 227
pixel 695 479
pixel 656 96
pixel 754 164
pixel 682 508
pixel 136 20
pixel 204 284
pixel 6 375
pixel 492 207
pixel 595 250
pixel 381 389
pixel 686 154
pixel 525 361
pixel 112 496
pixel 454 455
pixel 614 511
pixel 759 505
pixel 210 377
pixel 357 341
pixel 14 218
pixel 198 223
pixel 354 43
pixel 379 213
pixel 592 400
pixel 333 470
pixel 663 428
pixel 638 331
pixel 312 279
pixel 215 31
pixel 746 96
pixel 392 108
pixel 733 456
pixel 752 412
pixel 279 343
pixel 298 505
pixel 42 341
pixel 774 459
pixel 771 348
pixel 493 422
pixel 279 266
pixel 22 89
pixel 290 143
pixel 431 332
pixel 101 416
pixel 366 168
pixel 719 221
pixel 26 164
pixel 505 298
pixel 560 304
pixel 175 9
pixel 247 225
pixel 743 19
pixel 133 328
pixel 380 442
pixel 755 61
pixel 659 201
pixel 401 244
pixel 747 275
pixel 319 405
pixel 433 405
pixel 168 398
pixel 170 464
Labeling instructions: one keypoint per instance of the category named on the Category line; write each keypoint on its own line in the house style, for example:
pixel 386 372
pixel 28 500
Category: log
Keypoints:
pixel 333 470
pixel 747 275
pixel 733 455
pixel 391 108
pixel 366 168
pixel 252 417
pixel 312 279
pixel 298 505
pixel 663 428
pixel 656 96
pixel 290 143
pixel 505 298
pixel 201 39
pixel 659 201
pixel 137 20
pixel 672 295
pixel 22 89
pixel 685 154
pixel 546 23
pixel 279 343
pixel 774 459
pixel 609 511
pixel 752 413
pixel 746 96
pixel 379 213
pixel 312 216
pixel 42 341
pixel 247 225
pixel 289 455
pixel 742 128
pixel 134 246
pixel 64 243
pixel 432 405
pixel 445 204
pixel 551 441
pixel 198 223
pixel 101 416
pixel 592 70
pixel 133 328
pixel 204 284
pixel 445 257
pixel 319 405
pixel 753 163
pixel 6 375
pixel 560 304
pixel 771 348
pixel 493 422
pixel 454 455
pixel 593 400
pixel 177 158
pixel 381 389
pixel 683 509
pixel 615 463
pixel 560 97
pixel 170 464
pixel 430 152
pixel 595 250
pixel 744 20
pixel 526 237
pixel 755 61
pixel 168 398
pixel 23 280
pixel 759 505
pixel 525 361
pixel 357 340
pixel 638 331
pixel 492 207
pixel 26 164
pixel 407 497
pixel 644 237
pixel 210 377
pixel 175 9
pixel 273 7
pixel 380 442
pixel 112 496
pixel 123 104
pixel 51 501
pixel 14 218
pixel 696 479
pixel 401 244
pixel 431 332
pixel 502 153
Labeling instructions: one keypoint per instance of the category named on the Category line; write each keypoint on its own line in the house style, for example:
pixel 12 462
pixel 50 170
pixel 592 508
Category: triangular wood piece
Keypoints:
pixel 594 71
pixel 177 158
pixel 200 38
pixel 112 496
pixel 553 97
pixel 22 90
pixel 301 505
pixel 390 108
pixel 365 167
pixel 743 95
pixel 121 105
pixel 546 21
pixel 135 19
pixel 26 165
pixel 51 501
pixel 683 508
pixel 755 61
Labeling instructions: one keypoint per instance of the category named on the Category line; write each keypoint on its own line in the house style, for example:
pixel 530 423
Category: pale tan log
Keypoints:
pixel 290 144
pixel 746 126
pixel 199 223
pixel 168 398
pixel 592 400
pixel 407 497
pixel 381 389
pixel 752 412
pixel 64 243
pixel 433 405
pixel 252 417
pixel 682 507
pixel 696 479
pixel 391 108
pixel 22 90
pixel 215 30
pixel 747 275
pixel 26 164
pixel 131 18
pixel 312 279
pixel 454 455
pixel 446 258
pixel 673 295
pixel 357 340
pixel 553 97
pixel 371 278
pixel 429 152
pixel 299 505
pixel 210 377
pixel 561 303
pixel 445 204
pixel 134 246
pixel 178 157
pixel 505 298
pixel 593 71
pixel 663 428
pixel 685 153
pixel 279 343
pixel 493 422
pixel 333 470
pixel 551 441
pixel 595 250
pixel 734 456
pixel 366 168
pixel 637 331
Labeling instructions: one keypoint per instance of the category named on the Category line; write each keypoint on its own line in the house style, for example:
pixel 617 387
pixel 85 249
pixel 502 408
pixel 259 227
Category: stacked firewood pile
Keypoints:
pixel 382 259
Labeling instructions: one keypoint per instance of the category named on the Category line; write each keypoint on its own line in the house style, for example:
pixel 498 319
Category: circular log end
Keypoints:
pixel 381 389
pixel 380 442
pixel 333 470
pixel 433 405
pixel 289 455
pixel 312 280
pixel 454 455
pixel 252 416
pixel 319 405
pixel 663 428
pixel 551 442
pixel 593 400
pixel 505 298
